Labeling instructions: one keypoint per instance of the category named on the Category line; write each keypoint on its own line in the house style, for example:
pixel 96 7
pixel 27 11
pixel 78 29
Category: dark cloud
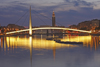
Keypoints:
pixel 67 0
pixel 78 2
pixel 67 13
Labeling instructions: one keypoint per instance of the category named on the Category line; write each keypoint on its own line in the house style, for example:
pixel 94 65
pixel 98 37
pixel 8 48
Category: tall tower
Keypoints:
pixel 30 23
pixel 53 19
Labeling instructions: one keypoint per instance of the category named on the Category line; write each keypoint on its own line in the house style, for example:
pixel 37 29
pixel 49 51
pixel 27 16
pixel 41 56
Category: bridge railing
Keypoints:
pixel 44 28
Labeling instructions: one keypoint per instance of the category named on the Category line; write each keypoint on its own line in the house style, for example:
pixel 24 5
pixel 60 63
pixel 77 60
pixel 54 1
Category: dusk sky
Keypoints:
pixel 67 12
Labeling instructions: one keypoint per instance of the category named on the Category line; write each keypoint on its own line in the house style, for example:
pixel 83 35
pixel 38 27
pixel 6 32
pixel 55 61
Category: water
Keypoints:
pixel 23 51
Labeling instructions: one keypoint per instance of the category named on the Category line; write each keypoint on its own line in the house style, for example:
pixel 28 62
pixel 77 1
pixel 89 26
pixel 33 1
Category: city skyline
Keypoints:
pixel 67 12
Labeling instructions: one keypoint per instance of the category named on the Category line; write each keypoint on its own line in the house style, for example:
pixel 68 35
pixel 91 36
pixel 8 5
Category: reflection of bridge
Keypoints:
pixel 45 28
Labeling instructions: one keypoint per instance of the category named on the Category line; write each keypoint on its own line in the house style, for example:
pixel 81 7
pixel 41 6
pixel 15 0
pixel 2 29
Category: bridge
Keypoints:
pixel 44 28
pixel 48 28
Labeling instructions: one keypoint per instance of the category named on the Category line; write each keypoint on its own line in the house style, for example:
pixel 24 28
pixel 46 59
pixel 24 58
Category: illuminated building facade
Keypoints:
pixel 53 19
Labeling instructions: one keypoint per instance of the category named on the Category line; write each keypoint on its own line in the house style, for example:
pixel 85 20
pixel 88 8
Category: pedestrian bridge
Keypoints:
pixel 44 28
pixel 48 28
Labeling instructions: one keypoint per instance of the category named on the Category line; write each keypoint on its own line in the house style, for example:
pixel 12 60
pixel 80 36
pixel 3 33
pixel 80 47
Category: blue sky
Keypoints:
pixel 68 12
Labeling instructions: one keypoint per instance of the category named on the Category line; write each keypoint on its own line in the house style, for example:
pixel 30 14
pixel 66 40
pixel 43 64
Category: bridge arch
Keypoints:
pixel 49 28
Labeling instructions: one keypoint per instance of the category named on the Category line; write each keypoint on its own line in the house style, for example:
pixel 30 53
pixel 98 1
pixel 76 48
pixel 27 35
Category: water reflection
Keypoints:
pixel 42 43
pixel 92 41
pixel 38 44
pixel 0 44
pixel 12 43
pixel 30 42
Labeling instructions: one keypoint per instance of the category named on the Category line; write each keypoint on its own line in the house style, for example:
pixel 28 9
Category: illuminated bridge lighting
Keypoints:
pixel 17 31
pixel 42 28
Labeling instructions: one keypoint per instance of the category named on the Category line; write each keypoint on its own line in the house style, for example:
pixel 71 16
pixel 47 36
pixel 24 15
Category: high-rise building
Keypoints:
pixel 53 19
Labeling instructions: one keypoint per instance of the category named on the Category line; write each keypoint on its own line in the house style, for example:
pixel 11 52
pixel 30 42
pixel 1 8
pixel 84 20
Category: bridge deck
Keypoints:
pixel 48 28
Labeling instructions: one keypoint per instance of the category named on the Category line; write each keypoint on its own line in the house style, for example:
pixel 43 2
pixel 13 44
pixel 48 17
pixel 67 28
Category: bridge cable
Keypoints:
pixel 43 15
pixel 20 18
pixel 40 18
pixel 46 17
pixel 25 19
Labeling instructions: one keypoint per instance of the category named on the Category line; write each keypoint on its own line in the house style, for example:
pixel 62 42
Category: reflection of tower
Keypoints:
pixel 94 42
pixel 53 19
pixel 54 52
pixel 31 46
pixel 0 44
pixel 5 44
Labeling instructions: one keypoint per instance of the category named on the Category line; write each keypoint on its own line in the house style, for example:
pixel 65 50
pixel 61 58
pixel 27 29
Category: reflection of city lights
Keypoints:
pixel 91 41
pixel 0 42
pixel 84 39
pixel 36 43
pixel 30 41
pixel 14 42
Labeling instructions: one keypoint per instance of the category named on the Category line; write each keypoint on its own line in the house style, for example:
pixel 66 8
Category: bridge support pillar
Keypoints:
pixel 41 36
pixel 41 32
pixel 47 33
pixel 63 34
pixel 30 24
pixel 53 33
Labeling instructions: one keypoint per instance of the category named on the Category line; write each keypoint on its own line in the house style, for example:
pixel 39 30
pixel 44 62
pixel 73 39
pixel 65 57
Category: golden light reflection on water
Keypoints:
pixel 92 41
pixel 36 43
pixel 40 43
pixel 84 39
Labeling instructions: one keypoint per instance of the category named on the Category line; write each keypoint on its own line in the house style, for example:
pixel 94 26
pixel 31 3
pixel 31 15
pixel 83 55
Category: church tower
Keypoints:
pixel 53 19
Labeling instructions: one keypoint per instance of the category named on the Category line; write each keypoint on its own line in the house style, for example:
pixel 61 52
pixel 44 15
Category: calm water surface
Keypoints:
pixel 23 51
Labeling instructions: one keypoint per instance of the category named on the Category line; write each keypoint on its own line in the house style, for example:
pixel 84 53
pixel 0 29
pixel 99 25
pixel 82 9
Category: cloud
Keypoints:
pixel 66 8
pixel 59 5
pixel 44 14
pixel 96 5
pixel 72 9
pixel 91 0
pixel 73 5
pixel 7 16
pixel 33 2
